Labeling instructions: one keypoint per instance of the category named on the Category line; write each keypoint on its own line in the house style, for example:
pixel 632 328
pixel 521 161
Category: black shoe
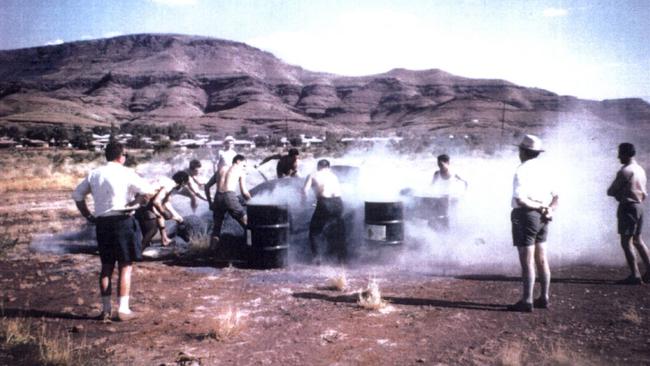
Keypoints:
pixel 646 277
pixel 521 306
pixel 630 280
pixel 541 303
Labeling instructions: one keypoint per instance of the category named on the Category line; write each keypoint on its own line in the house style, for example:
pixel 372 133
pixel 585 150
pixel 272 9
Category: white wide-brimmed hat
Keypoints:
pixel 229 138
pixel 532 143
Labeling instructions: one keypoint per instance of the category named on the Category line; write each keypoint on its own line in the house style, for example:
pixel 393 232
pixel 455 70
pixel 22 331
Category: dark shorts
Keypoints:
pixel 630 219
pixel 528 228
pixel 229 202
pixel 118 239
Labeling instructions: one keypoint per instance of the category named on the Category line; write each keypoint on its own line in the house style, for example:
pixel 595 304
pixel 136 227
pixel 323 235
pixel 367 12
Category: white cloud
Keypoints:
pixel 54 42
pixel 174 2
pixel 555 12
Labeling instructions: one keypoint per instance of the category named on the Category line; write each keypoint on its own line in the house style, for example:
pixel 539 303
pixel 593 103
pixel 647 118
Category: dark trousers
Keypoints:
pixel 327 229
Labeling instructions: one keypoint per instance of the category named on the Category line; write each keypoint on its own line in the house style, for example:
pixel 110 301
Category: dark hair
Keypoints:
pixel 626 149
pixel 195 164
pixel 113 151
pixel 294 152
pixel 323 163
pixel 181 178
pixel 530 154
pixel 237 158
pixel 444 158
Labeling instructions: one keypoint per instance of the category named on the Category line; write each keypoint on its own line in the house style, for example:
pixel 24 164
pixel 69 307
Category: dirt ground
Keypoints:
pixel 293 316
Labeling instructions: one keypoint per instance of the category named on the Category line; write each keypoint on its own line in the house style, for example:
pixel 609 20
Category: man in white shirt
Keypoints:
pixel 629 189
pixel 112 187
pixel 533 201
pixel 327 220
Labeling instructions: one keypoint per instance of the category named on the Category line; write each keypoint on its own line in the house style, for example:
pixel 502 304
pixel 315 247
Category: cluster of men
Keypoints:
pixel 534 200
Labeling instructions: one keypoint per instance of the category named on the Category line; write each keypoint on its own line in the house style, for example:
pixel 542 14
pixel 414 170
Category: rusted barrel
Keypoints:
pixel 384 223
pixel 268 235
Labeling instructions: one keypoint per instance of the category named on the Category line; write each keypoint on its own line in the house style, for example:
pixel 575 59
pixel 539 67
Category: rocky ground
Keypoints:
pixel 198 312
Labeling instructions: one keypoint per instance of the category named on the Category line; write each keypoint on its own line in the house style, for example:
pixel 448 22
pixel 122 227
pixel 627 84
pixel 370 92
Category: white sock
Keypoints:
pixel 124 304
pixel 106 304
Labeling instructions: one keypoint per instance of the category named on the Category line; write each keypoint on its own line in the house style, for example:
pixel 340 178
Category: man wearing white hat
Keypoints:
pixel 533 201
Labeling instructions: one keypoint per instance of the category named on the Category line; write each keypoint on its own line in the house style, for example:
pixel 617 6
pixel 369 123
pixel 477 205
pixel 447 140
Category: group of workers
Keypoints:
pixel 534 200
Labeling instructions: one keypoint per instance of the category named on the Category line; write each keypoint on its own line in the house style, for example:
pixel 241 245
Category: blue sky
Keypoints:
pixel 591 49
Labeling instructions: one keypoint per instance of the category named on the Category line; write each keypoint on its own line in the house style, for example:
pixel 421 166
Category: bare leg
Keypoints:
pixel 626 243
pixel 643 251
pixel 105 279
pixel 527 272
pixel 125 279
pixel 543 269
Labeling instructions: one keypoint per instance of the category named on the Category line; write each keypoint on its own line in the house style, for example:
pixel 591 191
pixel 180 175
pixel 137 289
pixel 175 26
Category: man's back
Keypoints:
pixel 630 183
pixel 326 184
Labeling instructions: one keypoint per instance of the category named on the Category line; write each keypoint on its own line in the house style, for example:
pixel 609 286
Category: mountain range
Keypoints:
pixel 219 86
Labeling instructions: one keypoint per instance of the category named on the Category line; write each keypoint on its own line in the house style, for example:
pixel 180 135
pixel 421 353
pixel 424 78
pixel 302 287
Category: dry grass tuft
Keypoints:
pixel 226 325
pixel 48 348
pixel 632 315
pixel 56 350
pixel 339 282
pixel 15 332
pixel 371 298
pixel 511 354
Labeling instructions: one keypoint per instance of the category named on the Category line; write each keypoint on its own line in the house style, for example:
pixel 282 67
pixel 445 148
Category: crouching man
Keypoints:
pixel 156 210
pixel 118 241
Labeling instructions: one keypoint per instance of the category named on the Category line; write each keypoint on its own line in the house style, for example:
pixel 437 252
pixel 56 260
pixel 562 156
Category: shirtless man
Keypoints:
pixel 194 187
pixel 287 164
pixel 327 219
pixel 156 209
pixel 629 189
pixel 223 160
pixel 226 199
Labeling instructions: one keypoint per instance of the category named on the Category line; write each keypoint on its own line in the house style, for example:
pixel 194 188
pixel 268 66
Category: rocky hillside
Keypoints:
pixel 219 86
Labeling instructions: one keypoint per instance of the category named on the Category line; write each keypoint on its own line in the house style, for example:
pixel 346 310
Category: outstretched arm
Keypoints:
pixel 209 184
pixel 269 158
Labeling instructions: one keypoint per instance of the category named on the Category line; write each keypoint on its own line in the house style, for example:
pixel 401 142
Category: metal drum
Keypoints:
pixel 268 235
pixel 384 223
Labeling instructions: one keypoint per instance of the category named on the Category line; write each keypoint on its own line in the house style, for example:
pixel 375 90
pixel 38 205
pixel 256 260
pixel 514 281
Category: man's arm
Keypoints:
pixel 85 212
pixel 269 158
pixel 615 188
pixel 209 184
pixel 307 186
pixel 242 187
pixel 79 197
pixel 462 180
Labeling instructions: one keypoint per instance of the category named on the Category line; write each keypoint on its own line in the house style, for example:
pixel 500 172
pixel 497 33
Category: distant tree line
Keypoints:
pixel 80 138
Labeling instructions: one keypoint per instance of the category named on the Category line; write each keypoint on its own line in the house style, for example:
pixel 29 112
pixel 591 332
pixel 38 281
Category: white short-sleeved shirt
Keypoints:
pixel 533 181
pixel 226 156
pixel 112 186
